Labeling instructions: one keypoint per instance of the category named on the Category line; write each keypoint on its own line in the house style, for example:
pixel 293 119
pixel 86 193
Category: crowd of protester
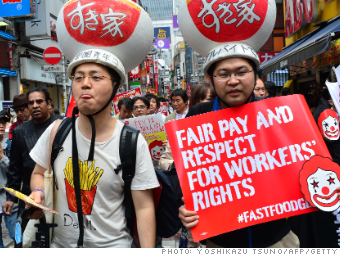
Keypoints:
pixel 36 110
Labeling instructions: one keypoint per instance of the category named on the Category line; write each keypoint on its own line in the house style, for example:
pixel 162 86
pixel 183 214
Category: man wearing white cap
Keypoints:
pixel 232 65
pixel 97 74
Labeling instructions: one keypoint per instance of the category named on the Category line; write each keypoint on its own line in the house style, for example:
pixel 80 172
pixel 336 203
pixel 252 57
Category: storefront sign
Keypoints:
pixel 231 177
pixel 178 75
pixel 156 74
pixel 175 21
pixel 131 94
pixel 162 33
pixel 135 73
pixel 265 56
pixel 40 27
pixel 298 13
pixel 53 69
pixel 163 43
pixel 16 8
pixel 34 71
pixel 10 54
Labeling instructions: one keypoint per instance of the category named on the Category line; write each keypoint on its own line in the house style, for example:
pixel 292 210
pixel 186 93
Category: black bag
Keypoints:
pixel 167 220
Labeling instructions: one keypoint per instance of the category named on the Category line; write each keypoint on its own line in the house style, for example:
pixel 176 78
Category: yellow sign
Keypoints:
pixel 326 10
pixel 63 103
pixel 161 34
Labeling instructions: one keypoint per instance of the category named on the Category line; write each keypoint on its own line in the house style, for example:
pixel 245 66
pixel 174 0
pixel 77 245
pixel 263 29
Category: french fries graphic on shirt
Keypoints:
pixel 89 177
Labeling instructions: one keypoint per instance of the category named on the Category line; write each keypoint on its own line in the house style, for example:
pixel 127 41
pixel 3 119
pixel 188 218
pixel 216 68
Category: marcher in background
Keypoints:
pixel 312 102
pixel 140 106
pixel 270 89
pixel 56 112
pixel 260 89
pixel 10 221
pixel 125 109
pixel 179 101
pixel 24 138
pixel 20 107
pixel 285 91
pixel 154 105
pixel 202 92
pixel 51 107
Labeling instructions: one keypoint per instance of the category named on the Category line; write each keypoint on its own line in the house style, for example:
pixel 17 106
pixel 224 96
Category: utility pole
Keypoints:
pixel 64 83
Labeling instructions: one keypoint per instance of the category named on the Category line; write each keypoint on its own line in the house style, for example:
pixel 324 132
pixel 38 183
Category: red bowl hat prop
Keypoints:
pixel 220 29
pixel 114 33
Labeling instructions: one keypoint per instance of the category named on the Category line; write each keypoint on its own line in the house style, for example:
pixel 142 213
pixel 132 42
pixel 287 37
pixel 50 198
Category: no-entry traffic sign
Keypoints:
pixel 52 55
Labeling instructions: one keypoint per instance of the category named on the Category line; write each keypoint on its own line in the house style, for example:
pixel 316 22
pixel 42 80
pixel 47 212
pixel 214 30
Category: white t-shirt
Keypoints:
pixel 104 219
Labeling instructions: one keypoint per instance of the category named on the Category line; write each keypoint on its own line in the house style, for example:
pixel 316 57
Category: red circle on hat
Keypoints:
pixel 234 20
pixel 102 22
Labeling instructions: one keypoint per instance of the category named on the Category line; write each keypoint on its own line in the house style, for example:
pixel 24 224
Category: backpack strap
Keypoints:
pixel 128 152
pixel 57 145
pixel 59 139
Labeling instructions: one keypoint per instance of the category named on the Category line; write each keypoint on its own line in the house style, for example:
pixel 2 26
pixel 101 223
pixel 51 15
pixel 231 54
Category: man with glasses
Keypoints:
pixel 234 78
pixel 24 138
pixel 21 109
pixel 140 106
pixel 260 89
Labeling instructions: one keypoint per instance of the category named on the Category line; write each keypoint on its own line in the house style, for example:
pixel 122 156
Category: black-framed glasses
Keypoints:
pixel 142 107
pixel 227 76
pixel 38 101
pixel 94 78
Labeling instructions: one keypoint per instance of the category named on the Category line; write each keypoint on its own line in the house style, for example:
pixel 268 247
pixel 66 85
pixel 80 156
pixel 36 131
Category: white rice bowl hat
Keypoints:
pixel 220 29
pixel 115 33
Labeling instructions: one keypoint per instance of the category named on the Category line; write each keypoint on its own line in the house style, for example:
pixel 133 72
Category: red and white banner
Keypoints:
pixel 265 56
pixel 164 108
pixel 131 94
pixel 240 166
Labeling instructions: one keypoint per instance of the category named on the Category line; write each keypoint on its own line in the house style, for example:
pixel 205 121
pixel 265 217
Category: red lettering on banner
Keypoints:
pixel 97 23
pixel 223 19
pixel 232 165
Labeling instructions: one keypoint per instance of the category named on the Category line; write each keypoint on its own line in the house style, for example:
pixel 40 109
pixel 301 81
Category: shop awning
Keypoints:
pixel 312 44
pixel 279 77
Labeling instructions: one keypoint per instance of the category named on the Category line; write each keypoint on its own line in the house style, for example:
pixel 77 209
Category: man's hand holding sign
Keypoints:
pixel 240 166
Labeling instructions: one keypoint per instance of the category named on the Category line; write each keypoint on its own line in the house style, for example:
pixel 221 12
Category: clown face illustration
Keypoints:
pixel 322 189
pixel 156 152
pixel 330 127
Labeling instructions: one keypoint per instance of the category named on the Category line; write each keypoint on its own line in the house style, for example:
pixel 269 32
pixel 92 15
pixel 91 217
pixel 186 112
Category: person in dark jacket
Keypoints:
pixel 25 137
pixel 234 79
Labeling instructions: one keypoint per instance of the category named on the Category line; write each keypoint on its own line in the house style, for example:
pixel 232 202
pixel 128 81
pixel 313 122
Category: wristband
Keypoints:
pixel 41 191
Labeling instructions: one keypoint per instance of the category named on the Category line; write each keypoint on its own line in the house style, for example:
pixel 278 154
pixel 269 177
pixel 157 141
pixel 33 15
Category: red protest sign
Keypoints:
pixel 240 166
pixel 164 108
pixel 130 93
